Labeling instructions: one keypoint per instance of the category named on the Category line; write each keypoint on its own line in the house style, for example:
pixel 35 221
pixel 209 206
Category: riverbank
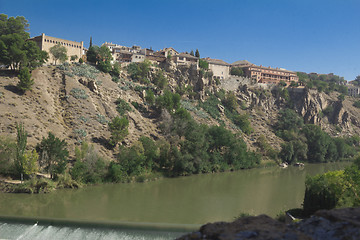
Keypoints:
pixel 324 224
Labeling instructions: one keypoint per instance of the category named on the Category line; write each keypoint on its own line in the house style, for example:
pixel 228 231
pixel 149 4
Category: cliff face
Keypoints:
pixel 78 108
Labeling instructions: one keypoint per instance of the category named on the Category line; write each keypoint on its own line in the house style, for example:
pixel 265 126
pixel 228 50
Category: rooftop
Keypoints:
pixel 216 61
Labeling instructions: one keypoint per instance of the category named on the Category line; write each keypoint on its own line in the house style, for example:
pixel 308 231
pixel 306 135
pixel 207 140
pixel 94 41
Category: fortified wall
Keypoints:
pixel 46 42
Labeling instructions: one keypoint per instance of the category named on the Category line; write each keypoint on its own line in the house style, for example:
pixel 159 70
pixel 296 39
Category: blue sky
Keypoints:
pixel 302 35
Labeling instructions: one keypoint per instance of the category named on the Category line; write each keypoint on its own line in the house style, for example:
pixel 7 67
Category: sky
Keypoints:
pixel 320 36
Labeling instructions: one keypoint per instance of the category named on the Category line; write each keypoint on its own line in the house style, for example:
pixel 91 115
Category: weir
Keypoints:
pixel 42 228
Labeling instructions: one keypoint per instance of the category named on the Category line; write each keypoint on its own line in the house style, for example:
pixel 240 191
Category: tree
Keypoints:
pixel 288 119
pixel 197 54
pixel 203 64
pixel 74 57
pixel 59 53
pixel 25 82
pixel 34 57
pixel 21 141
pixel 192 53
pixel 237 71
pixel 119 130
pixel 90 45
pixel 14 49
pixel 53 154
pixel 91 54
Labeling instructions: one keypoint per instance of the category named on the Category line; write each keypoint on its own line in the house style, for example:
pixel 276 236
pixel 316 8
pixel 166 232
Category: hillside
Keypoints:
pixel 76 103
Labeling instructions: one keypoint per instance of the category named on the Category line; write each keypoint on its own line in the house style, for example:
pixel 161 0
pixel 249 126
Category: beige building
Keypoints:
pixel 185 59
pixel 353 91
pixel 220 69
pixel 270 75
pixel 46 42
pixel 166 52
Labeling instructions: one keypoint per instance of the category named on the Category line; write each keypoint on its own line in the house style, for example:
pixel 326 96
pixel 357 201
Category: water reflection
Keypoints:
pixel 194 200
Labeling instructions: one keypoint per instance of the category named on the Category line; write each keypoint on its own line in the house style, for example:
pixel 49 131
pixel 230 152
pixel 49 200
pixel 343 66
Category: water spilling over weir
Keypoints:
pixel 23 229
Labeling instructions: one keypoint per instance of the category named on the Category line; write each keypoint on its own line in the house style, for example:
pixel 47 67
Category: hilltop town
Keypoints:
pixel 130 113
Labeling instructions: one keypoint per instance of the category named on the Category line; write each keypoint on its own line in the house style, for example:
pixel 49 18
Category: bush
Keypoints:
pixel 150 97
pixel 7 156
pixel 160 80
pixel 25 81
pixel 119 130
pixel 89 166
pixel 104 66
pixel 170 101
pixel 237 71
pixel 78 93
pixel 242 121
pixel 203 64
pixel 122 106
pixel 356 104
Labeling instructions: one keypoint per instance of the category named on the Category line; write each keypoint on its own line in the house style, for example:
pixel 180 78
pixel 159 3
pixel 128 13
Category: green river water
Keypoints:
pixel 161 209
pixel 186 200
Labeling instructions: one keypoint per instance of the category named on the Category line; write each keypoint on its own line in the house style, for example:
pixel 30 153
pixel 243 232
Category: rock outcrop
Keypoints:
pixel 334 224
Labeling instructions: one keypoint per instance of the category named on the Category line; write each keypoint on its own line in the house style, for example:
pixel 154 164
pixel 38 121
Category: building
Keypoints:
pixel 166 52
pixel 241 63
pixel 270 75
pixel 220 69
pixel 185 59
pixel 46 42
pixel 353 91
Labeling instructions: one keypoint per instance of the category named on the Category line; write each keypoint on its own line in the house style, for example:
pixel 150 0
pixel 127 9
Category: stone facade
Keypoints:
pixel 185 59
pixel 46 42
pixel 220 69
pixel 353 91
pixel 270 75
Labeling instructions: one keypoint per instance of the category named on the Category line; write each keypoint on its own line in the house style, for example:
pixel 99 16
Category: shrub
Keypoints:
pixel 150 97
pixel 101 119
pixel 356 104
pixel 119 130
pixel 203 64
pixel 122 106
pixel 25 81
pixel 89 167
pixel 237 71
pixel 78 93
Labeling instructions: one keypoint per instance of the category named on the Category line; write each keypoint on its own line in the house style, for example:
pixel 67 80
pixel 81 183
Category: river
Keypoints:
pixel 174 202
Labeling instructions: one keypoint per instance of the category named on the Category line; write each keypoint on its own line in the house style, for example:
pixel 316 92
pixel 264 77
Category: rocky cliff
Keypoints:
pixel 77 106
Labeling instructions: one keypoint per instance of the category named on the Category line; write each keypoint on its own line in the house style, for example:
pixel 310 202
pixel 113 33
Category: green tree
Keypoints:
pixel 21 141
pixel 119 130
pixel 25 81
pixel 237 71
pixel 30 160
pixel 341 97
pixel 197 54
pixel 8 153
pixel 59 53
pixel 288 119
pixel 89 167
pixel 203 64
pixel 53 154
pixel 192 53
pixel 150 97
pixel 34 57
pixel 160 80
pixel 92 53
pixel 318 143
